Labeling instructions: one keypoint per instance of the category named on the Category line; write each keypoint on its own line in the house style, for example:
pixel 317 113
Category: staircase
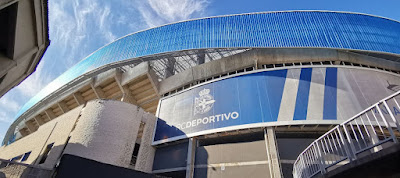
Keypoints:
pixel 356 141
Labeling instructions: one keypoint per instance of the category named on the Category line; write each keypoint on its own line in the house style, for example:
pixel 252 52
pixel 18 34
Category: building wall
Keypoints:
pixel 102 130
pixel 56 131
pixel 106 132
pixel 146 153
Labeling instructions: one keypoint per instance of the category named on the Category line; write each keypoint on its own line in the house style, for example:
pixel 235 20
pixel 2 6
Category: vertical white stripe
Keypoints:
pixel 315 108
pixel 288 103
pixel 347 102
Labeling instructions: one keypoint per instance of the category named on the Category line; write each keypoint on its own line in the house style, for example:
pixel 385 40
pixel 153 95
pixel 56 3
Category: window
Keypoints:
pixel 46 153
pixel 8 21
pixel 26 156
pixel 135 154
pixel 17 158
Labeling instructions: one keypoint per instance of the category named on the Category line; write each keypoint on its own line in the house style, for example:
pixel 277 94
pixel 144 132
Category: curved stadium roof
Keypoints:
pixel 291 29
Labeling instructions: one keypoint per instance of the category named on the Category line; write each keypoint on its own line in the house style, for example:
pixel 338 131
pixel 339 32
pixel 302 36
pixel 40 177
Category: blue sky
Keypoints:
pixel 79 27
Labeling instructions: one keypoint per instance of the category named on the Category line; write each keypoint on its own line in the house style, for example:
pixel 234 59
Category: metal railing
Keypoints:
pixel 370 131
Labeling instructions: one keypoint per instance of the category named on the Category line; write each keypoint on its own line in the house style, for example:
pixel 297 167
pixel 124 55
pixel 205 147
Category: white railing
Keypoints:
pixel 371 130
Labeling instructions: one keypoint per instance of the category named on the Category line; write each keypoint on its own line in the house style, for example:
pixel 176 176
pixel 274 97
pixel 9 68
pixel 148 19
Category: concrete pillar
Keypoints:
pixel 272 153
pixel 145 158
pixel 190 158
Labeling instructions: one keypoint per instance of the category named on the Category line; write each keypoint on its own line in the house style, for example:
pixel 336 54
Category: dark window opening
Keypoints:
pixel 171 156
pixel 174 174
pixel 17 158
pixel 249 137
pixel 46 153
pixel 8 21
pixel 135 154
pixel 26 156
pixel 290 145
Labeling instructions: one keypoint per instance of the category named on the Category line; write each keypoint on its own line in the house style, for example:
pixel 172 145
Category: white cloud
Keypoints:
pixel 4 117
pixel 9 104
pixel 35 82
pixel 158 12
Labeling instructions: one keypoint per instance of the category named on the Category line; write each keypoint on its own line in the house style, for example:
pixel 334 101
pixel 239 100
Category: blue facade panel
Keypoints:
pixel 247 99
pixel 303 93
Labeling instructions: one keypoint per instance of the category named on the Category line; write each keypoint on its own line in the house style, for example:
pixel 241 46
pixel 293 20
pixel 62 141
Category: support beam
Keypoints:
pixel 97 91
pixel 169 70
pixel 31 126
pixel 201 57
pixel 190 158
pixel 272 153
pixel 126 93
pixel 78 98
pixel 39 120
pixel 50 114
pixel 63 106
pixel 24 131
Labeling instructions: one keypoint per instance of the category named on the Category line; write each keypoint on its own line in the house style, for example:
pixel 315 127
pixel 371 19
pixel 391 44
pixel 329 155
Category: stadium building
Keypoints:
pixel 226 96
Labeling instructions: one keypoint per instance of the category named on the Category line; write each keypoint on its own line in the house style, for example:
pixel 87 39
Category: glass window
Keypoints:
pixel 26 156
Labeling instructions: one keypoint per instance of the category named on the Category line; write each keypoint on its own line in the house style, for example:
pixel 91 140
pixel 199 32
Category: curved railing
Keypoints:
pixel 371 130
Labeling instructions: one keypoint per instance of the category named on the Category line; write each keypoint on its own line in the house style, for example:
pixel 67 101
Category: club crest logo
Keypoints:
pixel 204 103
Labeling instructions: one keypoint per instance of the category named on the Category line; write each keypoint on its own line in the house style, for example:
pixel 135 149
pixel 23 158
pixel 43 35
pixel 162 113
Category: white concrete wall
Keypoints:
pixel 106 132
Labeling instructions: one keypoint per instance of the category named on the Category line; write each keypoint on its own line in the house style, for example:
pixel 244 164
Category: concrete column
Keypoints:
pixel 272 153
pixel 190 158
pixel 145 158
